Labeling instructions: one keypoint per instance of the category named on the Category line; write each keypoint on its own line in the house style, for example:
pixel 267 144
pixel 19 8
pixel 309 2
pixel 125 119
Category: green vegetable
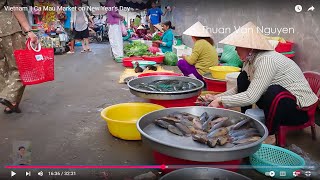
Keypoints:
pixel 170 59
pixel 156 37
pixel 135 49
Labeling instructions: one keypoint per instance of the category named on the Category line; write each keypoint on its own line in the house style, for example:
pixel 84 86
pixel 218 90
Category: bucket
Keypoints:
pixel 160 158
pixel 231 79
pixel 177 40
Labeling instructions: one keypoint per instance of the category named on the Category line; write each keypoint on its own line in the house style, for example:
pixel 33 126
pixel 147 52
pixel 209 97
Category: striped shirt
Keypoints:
pixel 266 69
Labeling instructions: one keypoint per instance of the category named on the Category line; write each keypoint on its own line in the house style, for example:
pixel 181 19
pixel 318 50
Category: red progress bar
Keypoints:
pixel 88 167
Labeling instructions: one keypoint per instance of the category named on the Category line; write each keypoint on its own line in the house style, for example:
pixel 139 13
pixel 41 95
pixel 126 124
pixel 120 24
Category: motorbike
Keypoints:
pixel 101 32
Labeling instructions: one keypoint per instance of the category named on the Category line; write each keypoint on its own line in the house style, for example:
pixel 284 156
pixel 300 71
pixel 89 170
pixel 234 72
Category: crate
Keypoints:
pixel 182 50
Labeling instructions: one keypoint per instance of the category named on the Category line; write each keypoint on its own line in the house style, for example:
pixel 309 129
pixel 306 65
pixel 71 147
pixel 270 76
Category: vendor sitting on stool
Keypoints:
pixel 203 56
pixel 167 37
pixel 272 81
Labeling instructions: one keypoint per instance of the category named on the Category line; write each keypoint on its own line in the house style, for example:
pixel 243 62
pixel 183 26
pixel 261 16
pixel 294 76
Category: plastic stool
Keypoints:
pixel 257 114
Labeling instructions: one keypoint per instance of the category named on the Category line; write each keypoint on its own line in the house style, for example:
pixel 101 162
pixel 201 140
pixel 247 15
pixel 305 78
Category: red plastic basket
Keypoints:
pixel 157 59
pixel 215 85
pixel 160 158
pixel 159 74
pixel 35 65
pixel 176 103
pixel 127 62
pixel 284 47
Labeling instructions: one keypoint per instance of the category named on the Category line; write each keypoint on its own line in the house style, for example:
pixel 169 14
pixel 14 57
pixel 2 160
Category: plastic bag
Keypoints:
pixel 309 162
pixel 230 57
pixel 170 59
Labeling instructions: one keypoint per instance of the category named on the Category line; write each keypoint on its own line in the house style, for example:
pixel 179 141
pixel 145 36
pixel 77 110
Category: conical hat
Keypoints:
pixel 197 30
pixel 158 26
pixel 140 27
pixel 248 36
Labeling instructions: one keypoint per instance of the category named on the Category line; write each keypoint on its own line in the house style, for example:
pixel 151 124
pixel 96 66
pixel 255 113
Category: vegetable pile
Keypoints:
pixel 136 49
pixel 156 37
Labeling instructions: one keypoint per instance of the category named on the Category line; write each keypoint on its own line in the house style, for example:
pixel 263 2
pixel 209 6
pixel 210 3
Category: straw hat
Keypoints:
pixel 140 27
pixel 158 26
pixel 197 30
pixel 248 36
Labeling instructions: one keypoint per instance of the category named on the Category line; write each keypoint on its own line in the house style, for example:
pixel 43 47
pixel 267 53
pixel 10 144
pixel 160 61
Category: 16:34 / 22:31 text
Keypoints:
pixel 62 173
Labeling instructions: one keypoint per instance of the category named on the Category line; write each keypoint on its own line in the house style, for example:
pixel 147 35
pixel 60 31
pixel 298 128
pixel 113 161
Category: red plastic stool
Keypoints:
pixel 314 80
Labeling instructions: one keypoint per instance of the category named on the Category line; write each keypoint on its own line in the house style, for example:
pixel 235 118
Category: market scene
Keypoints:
pixel 159 89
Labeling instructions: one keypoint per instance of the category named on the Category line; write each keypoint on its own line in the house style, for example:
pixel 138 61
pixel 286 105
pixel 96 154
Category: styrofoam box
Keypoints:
pixel 182 50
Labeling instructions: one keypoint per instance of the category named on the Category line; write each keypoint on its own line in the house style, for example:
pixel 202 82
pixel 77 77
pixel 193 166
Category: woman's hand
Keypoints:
pixel 216 103
pixel 33 37
pixel 210 97
pixel 183 56
pixel 158 41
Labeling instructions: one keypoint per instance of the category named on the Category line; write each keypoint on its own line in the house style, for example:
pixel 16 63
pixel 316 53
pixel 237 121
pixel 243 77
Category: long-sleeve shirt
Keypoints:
pixel 167 41
pixel 271 68
pixel 203 56
pixel 113 16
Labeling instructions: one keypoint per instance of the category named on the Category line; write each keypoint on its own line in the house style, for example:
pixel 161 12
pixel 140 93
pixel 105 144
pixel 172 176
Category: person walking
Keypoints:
pixel 67 25
pixel 115 33
pixel 11 39
pixel 80 23
pixel 154 16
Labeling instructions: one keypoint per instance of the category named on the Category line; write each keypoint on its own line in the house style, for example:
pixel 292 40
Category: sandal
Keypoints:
pixel 10 107
pixel 89 50
pixel 83 51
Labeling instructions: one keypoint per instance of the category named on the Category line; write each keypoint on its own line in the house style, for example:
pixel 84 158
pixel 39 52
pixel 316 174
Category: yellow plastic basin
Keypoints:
pixel 220 72
pixel 122 118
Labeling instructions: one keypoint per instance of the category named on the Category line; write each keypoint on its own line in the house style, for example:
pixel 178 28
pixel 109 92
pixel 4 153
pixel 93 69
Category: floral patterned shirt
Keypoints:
pixel 8 22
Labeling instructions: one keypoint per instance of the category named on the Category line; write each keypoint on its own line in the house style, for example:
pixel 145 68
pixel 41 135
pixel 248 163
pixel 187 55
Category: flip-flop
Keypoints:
pixel 88 50
pixel 83 51
pixel 8 104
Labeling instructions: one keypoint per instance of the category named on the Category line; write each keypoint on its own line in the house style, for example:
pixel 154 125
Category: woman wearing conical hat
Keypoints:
pixel 270 80
pixel 203 56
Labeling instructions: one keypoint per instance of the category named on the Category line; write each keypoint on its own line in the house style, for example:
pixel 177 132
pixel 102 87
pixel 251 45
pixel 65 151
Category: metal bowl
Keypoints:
pixel 165 95
pixel 203 173
pixel 169 144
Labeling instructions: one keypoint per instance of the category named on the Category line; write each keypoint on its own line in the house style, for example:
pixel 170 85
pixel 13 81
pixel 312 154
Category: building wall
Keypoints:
pixel 272 14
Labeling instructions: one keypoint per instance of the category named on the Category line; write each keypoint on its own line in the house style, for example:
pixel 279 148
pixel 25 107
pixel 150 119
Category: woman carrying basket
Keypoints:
pixel 11 39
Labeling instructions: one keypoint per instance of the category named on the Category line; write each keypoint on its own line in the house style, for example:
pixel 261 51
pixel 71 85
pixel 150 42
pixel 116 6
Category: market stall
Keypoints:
pixel 48 24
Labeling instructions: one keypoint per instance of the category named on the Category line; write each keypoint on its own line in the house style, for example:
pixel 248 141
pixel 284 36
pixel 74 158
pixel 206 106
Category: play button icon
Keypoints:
pixel 13 173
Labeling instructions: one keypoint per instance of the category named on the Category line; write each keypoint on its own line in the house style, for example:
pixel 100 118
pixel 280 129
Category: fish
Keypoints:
pixel 197 131
pixel 241 123
pixel 212 142
pixel 176 115
pixel 203 118
pixel 186 122
pixel 218 132
pixel 247 135
pixel 217 120
pixel 217 126
pixel 205 126
pixel 190 117
pixel 162 124
pixel 197 124
pixel 230 128
pixel 247 140
pixel 171 120
pixel 184 129
pixel 235 133
pixel 222 140
pixel 200 138
pixel 174 130
pixel 230 122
